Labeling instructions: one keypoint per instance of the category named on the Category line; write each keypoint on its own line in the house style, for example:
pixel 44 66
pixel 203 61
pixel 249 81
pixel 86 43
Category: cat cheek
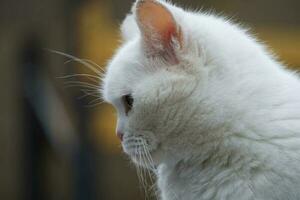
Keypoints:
pixel 152 140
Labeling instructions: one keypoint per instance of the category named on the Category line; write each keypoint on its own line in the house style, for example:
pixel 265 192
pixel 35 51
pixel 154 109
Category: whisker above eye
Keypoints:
pixel 93 78
pixel 94 105
pixel 81 83
pixel 95 100
pixel 95 64
pixel 82 61
pixel 85 60
pixel 82 86
pixel 89 94
pixel 88 61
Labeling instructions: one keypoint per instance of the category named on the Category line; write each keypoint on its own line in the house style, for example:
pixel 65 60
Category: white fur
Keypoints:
pixel 223 123
pixel 129 28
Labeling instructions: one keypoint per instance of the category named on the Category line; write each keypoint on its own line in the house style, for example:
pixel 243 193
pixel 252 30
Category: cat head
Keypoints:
pixel 156 78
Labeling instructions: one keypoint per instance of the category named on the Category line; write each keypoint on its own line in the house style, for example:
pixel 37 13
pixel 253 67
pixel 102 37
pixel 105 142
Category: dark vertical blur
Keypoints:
pixel 57 142
pixel 34 133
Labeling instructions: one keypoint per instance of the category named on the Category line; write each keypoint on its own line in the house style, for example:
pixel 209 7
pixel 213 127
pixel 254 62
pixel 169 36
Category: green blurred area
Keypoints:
pixel 55 145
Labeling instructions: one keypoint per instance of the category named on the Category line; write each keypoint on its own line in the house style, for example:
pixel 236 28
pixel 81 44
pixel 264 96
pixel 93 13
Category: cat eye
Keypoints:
pixel 128 102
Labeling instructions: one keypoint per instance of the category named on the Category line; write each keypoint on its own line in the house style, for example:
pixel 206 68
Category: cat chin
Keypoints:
pixel 142 163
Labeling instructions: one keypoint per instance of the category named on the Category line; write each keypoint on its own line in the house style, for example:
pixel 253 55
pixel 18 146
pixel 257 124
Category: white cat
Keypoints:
pixel 209 106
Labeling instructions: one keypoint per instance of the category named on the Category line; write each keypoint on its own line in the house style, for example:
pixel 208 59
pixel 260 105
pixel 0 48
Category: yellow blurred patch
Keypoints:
pixel 284 41
pixel 103 128
pixel 98 38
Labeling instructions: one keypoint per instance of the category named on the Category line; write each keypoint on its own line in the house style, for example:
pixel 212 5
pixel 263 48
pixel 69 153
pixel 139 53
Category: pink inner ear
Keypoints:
pixel 158 26
pixel 169 33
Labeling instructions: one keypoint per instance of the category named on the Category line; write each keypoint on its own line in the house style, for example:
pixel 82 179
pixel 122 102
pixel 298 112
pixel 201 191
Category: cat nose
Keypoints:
pixel 120 135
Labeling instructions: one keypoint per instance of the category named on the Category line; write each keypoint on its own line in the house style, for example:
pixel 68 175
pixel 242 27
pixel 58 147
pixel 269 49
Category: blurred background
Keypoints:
pixel 57 140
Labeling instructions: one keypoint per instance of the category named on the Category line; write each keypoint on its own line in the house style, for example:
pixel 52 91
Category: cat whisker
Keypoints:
pixel 151 183
pixel 91 94
pixel 140 172
pixel 94 105
pixel 81 86
pixel 95 100
pixel 95 94
pixel 82 61
pixel 152 167
pixel 146 160
pixel 144 174
pixel 77 85
pixel 95 64
pixel 149 159
pixel 93 78
pixel 82 83
pixel 89 89
pixel 88 61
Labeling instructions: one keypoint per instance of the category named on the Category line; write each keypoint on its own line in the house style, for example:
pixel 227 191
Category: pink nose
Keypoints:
pixel 120 135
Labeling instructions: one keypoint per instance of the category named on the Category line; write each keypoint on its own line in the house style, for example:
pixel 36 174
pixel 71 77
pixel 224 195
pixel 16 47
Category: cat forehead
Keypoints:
pixel 124 71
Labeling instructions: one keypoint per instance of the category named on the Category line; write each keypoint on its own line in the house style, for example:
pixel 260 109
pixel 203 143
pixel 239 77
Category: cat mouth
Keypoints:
pixel 136 148
pixel 140 151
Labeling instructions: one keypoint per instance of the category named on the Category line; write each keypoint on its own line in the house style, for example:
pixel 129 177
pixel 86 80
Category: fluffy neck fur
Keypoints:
pixel 249 144
pixel 236 134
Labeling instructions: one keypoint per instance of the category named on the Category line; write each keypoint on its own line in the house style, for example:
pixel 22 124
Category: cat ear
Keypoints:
pixel 129 28
pixel 161 34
